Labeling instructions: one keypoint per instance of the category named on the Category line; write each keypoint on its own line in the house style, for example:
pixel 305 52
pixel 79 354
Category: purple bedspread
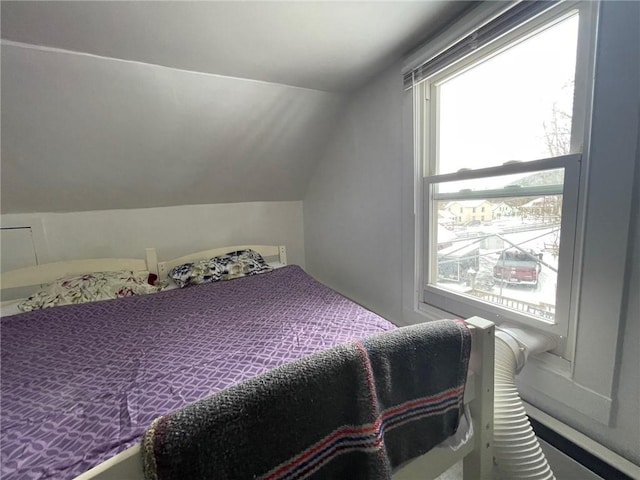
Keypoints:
pixel 81 383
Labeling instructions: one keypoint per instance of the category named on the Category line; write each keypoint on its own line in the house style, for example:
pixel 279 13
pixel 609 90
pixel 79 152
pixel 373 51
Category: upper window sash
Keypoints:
pixel 429 87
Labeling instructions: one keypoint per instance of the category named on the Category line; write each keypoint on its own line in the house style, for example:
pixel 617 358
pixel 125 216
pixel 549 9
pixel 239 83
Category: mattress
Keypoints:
pixel 81 383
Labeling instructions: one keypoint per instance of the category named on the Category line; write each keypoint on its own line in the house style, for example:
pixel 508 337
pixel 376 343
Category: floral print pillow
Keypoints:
pixel 204 271
pixel 89 287
pixel 225 267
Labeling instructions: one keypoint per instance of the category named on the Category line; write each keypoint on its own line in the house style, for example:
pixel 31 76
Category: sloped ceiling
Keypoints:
pixel 140 104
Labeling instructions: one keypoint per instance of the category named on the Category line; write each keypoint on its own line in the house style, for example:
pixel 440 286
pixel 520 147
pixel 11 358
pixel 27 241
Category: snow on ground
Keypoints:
pixel 539 238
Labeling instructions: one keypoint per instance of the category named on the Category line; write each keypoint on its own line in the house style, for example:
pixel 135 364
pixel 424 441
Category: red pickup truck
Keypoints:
pixel 516 266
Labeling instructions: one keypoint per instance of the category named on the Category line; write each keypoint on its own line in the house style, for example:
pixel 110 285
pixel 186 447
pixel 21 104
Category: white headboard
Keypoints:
pixel 49 272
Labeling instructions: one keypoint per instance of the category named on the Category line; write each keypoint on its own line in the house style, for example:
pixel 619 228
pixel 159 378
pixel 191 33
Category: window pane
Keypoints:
pixel 506 255
pixel 517 105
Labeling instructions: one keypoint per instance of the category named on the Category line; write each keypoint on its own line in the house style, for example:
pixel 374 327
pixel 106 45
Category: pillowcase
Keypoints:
pixel 90 287
pixel 236 264
pixel 191 273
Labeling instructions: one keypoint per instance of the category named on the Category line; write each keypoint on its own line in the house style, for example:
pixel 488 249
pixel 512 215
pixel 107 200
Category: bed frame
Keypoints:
pixel 476 454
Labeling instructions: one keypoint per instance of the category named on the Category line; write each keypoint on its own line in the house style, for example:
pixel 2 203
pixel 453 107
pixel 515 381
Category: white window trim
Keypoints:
pixel 568 267
pixel 586 383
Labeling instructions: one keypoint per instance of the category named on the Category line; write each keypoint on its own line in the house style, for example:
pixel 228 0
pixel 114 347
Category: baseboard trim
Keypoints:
pixel 587 452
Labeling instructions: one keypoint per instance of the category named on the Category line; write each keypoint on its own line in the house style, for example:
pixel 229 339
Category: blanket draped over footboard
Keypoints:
pixel 357 410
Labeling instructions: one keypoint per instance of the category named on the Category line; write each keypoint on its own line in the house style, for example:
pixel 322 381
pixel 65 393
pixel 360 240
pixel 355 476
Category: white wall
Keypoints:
pixel 82 132
pixel 623 434
pixel 352 206
pixel 173 231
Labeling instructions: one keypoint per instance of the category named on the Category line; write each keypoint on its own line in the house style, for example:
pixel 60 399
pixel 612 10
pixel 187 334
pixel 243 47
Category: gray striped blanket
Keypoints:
pixel 354 411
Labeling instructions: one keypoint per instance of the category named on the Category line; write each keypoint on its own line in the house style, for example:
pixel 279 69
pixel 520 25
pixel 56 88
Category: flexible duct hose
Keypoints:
pixel 517 451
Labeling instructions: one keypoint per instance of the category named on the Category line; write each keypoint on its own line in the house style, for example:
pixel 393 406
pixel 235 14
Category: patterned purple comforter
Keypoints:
pixel 81 383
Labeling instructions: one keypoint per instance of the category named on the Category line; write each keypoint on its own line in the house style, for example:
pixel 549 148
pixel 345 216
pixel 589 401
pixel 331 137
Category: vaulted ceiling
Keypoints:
pixel 140 104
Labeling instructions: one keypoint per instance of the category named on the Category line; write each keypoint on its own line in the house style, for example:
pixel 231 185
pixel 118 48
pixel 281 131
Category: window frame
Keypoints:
pixel 426 108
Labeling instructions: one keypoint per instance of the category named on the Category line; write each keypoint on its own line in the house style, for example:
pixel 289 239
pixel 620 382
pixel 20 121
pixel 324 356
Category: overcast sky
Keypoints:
pixel 494 112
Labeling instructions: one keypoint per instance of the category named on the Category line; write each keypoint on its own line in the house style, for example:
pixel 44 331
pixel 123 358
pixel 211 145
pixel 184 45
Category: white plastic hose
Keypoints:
pixel 517 450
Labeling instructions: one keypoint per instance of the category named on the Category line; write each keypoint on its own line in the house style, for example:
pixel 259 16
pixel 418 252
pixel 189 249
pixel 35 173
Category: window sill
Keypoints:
pixel 540 376
pixel 543 373
pixel 423 313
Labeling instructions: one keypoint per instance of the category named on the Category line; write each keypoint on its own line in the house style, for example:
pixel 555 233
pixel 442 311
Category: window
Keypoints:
pixel 581 375
pixel 503 129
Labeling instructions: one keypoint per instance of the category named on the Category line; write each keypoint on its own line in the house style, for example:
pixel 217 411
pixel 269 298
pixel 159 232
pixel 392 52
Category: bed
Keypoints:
pixel 156 345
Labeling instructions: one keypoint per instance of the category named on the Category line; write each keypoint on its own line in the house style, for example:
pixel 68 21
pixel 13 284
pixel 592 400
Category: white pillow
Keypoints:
pixel 90 287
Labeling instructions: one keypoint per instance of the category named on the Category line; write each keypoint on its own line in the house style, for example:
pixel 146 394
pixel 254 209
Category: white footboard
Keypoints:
pixel 477 454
